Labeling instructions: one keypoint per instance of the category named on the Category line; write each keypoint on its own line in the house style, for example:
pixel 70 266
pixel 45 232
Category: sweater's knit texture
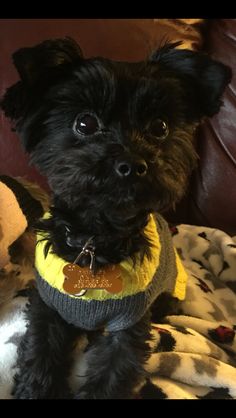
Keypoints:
pixel 142 283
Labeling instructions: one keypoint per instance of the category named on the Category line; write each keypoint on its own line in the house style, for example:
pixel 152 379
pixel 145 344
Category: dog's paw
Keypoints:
pixel 33 389
pixel 23 393
pixel 92 392
pixel 20 391
pixel 83 395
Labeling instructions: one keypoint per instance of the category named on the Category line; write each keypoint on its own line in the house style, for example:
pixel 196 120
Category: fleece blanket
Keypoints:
pixel 193 353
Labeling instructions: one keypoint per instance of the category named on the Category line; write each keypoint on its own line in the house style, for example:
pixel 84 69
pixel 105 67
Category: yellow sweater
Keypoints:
pixel 141 284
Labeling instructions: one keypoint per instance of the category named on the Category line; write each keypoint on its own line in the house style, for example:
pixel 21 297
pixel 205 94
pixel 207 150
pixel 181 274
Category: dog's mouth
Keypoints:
pixel 129 214
pixel 124 199
pixel 132 197
pixel 104 191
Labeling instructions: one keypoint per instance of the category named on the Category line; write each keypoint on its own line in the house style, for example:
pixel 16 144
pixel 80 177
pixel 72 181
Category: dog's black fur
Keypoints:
pixel 95 128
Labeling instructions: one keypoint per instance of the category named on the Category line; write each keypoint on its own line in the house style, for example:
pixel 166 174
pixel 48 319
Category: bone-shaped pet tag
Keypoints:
pixel 79 279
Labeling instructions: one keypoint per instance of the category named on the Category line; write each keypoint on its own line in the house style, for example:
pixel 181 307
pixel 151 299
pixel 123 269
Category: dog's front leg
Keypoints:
pixel 115 363
pixel 44 354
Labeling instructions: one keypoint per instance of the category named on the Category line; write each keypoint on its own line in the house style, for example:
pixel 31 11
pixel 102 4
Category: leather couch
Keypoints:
pixel 211 197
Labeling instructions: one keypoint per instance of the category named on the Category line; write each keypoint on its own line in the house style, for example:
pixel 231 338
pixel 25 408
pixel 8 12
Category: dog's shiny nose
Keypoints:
pixel 125 168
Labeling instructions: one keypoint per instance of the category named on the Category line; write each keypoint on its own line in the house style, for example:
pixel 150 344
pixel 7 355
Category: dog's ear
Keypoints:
pixel 203 78
pixel 40 63
pixel 14 101
pixel 32 63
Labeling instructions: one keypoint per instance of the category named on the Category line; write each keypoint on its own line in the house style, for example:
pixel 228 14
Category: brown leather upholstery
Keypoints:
pixel 215 183
pixel 212 194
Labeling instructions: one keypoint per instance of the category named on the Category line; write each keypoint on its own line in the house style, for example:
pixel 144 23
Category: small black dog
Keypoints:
pixel 115 142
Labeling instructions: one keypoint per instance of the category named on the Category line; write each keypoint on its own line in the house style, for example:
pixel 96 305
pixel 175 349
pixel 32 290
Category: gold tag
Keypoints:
pixel 79 278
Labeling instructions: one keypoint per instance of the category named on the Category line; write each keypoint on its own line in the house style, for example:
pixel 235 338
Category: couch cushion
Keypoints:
pixel 212 193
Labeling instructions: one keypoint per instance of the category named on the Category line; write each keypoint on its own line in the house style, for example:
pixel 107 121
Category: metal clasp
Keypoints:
pixel 87 249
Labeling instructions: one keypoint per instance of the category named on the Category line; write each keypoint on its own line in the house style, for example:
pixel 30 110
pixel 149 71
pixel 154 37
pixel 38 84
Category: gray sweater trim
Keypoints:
pixel 116 314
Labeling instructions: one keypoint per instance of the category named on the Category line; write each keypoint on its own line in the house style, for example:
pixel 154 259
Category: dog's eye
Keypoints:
pixel 86 124
pixel 159 129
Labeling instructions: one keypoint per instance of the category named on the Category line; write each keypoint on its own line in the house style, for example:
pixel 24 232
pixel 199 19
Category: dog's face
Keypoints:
pixel 113 136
